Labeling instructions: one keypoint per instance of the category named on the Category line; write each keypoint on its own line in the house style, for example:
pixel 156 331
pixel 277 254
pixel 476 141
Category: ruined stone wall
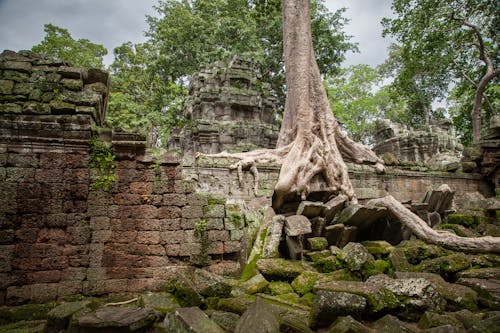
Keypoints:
pixel 59 236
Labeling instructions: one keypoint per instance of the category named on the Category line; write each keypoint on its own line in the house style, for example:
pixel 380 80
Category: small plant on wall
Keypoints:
pixel 102 168
pixel 202 258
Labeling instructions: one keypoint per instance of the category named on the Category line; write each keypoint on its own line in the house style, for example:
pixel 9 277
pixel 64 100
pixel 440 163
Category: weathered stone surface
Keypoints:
pixel 447 265
pixel 310 209
pixel 481 273
pixel 226 320
pixel 317 243
pixel 130 319
pixel 297 225
pixel 327 306
pixel 488 291
pixel 457 296
pixel 348 325
pixel 159 301
pixel 190 320
pixel 255 284
pixel 334 206
pixel 339 235
pixel 60 316
pixel 356 256
pixel 295 247
pixel 391 324
pixel 431 319
pixel 304 283
pixel 418 146
pixel 416 293
pixel 281 268
pixel 259 318
pixel 280 288
pixel 31 326
pixel 361 216
pixel 273 237
pixel 439 200
pixel 318 225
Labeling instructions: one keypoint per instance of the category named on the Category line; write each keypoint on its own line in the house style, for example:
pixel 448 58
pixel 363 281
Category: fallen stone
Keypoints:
pixel 304 283
pixel 273 237
pixel 295 247
pixel 434 219
pixel 356 256
pixel 431 319
pixel 280 268
pixel 488 291
pixel 310 209
pixel 328 305
pixel 60 316
pixel 255 284
pixel 439 200
pixel 327 264
pixel 398 260
pixel 459 230
pixel 297 225
pixel 378 248
pixel 316 255
pixel 447 265
pixel 471 321
pixel 490 321
pixel 109 318
pixel 317 243
pixel 339 235
pixel 318 225
pixel 417 294
pixel 416 251
pixel 444 329
pixel 391 324
pixel 457 296
pixel 226 320
pixel 279 288
pixel 160 301
pixel 480 273
pixel 348 325
pixel 236 305
pixel 25 326
pixel 333 207
pixel 190 320
pixel 259 318
pixel 361 216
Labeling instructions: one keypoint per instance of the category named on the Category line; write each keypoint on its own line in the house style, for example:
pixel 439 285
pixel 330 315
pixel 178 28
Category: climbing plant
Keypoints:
pixel 101 164
pixel 201 258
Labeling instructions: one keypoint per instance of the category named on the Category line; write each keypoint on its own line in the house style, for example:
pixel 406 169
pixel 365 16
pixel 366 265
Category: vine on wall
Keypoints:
pixel 101 164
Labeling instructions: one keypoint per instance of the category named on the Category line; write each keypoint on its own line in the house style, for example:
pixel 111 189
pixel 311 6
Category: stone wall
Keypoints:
pixel 60 236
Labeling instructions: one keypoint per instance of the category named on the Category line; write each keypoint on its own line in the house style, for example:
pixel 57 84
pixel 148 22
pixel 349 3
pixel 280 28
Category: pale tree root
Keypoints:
pixel 420 229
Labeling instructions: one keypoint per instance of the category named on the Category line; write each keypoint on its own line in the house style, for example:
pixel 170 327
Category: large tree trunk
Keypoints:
pixel 478 101
pixel 312 143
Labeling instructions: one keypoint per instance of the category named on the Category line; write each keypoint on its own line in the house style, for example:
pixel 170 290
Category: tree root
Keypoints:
pixel 122 303
pixel 419 228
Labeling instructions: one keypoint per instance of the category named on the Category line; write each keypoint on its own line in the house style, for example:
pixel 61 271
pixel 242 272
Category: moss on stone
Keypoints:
pixel 236 305
pixel 307 299
pixel 317 243
pixel 328 264
pixel 25 326
pixel 463 219
pixel 304 283
pixel 279 288
pixel 378 248
pixel 416 250
pixel 316 255
pixel 27 312
pixel 378 266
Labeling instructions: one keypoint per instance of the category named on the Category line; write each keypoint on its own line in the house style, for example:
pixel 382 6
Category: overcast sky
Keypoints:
pixel 112 22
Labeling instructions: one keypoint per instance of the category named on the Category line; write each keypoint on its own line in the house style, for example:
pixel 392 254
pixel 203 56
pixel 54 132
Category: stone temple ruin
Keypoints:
pixel 171 237
pixel 227 110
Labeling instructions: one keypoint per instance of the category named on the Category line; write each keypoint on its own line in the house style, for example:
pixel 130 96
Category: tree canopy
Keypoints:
pixel 59 43
pixel 441 44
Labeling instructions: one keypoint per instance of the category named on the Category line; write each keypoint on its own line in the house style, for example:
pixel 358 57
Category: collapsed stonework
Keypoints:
pixel 59 235
pixel 435 146
pixel 227 109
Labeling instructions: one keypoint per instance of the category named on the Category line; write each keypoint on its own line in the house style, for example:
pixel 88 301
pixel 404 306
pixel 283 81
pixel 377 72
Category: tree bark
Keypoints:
pixel 420 229
pixel 478 101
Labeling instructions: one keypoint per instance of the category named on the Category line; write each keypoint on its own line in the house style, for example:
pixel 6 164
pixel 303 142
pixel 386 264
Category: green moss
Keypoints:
pixel 379 266
pixel 307 299
pixel 304 283
pixel 382 301
pixel 235 219
pixel 250 269
pixel 462 219
pixel 289 297
pixel 416 250
pixel 378 248
pixel 317 243
pixel 316 255
pixel 280 288
pixel 328 264
pixel 343 275
pixel 36 326
pixel 27 312
pixel 235 304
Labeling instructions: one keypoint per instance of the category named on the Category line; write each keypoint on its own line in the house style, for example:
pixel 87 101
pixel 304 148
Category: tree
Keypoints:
pixel 188 34
pixel 358 100
pixel 311 143
pixel 139 99
pixel 59 44
pixel 444 42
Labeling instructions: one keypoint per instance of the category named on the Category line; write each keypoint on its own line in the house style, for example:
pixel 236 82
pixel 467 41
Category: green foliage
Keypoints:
pixel 59 43
pixel 357 100
pixel 140 100
pixel 101 164
pixel 437 49
pixel 202 258
pixel 188 34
